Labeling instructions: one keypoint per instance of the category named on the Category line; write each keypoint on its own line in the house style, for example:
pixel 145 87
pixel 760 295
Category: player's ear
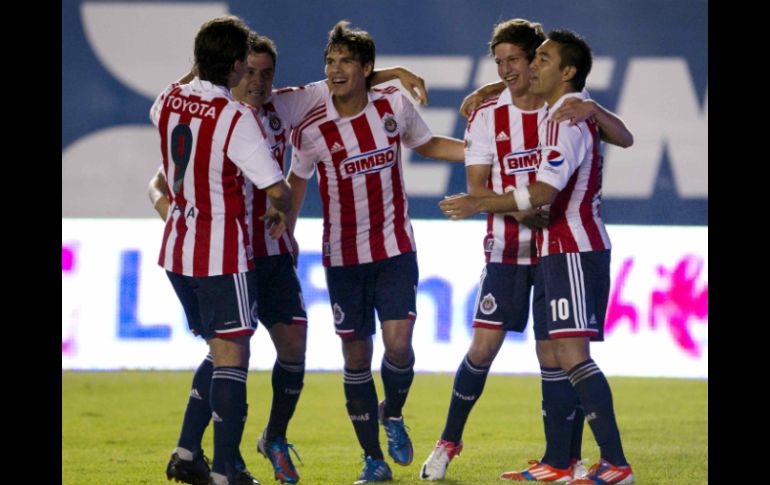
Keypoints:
pixel 568 73
pixel 368 69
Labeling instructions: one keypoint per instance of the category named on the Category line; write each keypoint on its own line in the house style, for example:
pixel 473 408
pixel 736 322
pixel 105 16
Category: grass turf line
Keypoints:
pixel 120 427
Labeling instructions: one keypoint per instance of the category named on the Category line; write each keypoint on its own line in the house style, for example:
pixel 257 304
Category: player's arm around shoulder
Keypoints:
pixel 612 128
pixel 442 148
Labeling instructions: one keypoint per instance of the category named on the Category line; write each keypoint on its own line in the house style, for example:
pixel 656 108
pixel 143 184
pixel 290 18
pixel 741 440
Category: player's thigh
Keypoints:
pixel 576 290
pixel 503 299
pixel 281 306
pixel 351 294
pixel 395 287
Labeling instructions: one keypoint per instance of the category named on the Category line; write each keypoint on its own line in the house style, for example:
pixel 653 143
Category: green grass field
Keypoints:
pixel 120 427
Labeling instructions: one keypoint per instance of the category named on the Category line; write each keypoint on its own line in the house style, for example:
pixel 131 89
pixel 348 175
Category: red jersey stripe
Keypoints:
pixel 332 136
pixel 366 143
pixel 400 203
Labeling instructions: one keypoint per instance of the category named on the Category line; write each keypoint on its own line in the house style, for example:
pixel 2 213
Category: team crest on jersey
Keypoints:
pixel 489 244
pixel 488 304
pixel 389 122
pixel 275 121
pixel 369 162
pixel 521 162
pixel 339 315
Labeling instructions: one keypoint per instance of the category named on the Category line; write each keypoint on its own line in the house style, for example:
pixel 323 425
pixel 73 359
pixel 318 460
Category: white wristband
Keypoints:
pixel 521 196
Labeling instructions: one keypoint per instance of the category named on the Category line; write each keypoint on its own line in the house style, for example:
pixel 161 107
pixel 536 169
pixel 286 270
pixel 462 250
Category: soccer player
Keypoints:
pixel 574 250
pixel 354 139
pixel 501 143
pixel 210 144
pixel 280 304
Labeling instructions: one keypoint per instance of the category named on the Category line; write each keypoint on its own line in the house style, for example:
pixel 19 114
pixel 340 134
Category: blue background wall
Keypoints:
pixel 644 42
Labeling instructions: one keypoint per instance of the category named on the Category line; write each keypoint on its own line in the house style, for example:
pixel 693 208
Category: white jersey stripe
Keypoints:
pixel 577 288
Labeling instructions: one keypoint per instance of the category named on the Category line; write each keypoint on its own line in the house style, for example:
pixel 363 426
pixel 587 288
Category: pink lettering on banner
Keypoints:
pixel 67 259
pixel 618 310
pixel 67 267
pixel 679 302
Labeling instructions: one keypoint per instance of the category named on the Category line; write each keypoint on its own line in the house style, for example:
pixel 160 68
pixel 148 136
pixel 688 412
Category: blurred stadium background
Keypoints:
pixel 651 67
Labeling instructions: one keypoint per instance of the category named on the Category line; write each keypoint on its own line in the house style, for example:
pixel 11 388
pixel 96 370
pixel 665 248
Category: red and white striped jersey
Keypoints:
pixel 501 135
pixel 209 142
pixel 571 162
pixel 360 176
pixel 284 110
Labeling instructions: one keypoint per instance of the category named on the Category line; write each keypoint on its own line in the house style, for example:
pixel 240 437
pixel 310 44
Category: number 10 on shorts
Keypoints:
pixel 559 309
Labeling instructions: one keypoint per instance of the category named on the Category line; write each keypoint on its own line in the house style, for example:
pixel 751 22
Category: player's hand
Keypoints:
pixel 536 218
pixel 459 206
pixel 471 102
pixel 294 249
pixel 414 84
pixel 575 111
pixel 161 207
pixel 275 222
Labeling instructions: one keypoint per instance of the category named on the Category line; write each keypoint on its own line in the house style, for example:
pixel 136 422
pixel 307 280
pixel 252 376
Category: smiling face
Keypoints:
pixel 512 67
pixel 257 83
pixel 346 73
pixel 547 79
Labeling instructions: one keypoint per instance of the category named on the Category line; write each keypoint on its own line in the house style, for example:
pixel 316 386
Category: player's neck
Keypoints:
pixel 554 96
pixel 526 101
pixel 351 104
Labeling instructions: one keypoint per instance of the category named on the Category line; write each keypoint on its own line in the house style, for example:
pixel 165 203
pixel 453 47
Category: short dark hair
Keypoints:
pixel 358 42
pixel 219 43
pixel 574 51
pixel 259 44
pixel 523 33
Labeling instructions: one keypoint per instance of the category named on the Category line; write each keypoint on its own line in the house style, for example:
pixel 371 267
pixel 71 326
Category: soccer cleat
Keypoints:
pixel 579 469
pixel 605 473
pixel 374 471
pixel 277 451
pixel 243 477
pixel 399 444
pixel 195 471
pixel 539 472
pixel 435 466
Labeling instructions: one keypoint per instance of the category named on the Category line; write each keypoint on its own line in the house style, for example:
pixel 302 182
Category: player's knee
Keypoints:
pixel 482 355
pixel 569 353
pixel 400 353
pixel 357 361
pixel 292 351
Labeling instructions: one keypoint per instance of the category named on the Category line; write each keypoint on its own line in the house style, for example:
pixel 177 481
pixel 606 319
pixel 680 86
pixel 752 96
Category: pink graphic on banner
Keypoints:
pixel 680 301
pixel 618 310
pixel 67 259
pixel 67 267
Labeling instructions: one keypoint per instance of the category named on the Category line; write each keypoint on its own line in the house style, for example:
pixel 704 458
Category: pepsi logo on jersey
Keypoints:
pixel 369 162
pixel 555 158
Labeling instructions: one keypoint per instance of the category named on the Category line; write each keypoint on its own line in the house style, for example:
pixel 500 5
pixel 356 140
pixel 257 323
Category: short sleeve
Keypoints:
pixel 249 151
pixel 478 147
pixel 560 160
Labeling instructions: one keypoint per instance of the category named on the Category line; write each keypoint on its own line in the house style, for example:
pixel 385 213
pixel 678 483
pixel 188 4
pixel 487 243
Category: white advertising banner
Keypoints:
pixel 119 310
